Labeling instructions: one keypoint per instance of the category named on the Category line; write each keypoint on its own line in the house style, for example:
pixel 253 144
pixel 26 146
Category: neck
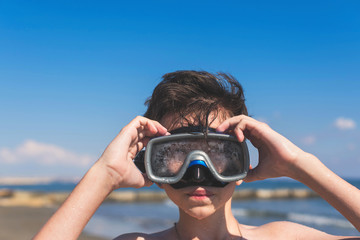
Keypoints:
pixel 220 225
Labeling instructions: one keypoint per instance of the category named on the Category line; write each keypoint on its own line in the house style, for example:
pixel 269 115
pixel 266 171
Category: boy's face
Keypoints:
pixel 198 201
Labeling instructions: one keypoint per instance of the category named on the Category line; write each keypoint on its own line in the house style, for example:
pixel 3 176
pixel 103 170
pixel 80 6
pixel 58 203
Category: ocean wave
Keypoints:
pixel 240 212
pixel 292 216
pixel 319 220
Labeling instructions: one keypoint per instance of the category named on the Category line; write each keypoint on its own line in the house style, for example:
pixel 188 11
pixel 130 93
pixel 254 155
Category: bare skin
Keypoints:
pixel 208 216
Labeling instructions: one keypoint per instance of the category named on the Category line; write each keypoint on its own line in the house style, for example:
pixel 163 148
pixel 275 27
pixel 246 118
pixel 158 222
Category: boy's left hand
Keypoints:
pixel 278 156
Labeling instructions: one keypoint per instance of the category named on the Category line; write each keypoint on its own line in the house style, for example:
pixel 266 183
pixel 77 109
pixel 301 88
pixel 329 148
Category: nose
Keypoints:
pixel 197 173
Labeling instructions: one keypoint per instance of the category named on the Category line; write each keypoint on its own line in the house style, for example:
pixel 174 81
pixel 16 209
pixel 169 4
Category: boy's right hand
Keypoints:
pixel 117 159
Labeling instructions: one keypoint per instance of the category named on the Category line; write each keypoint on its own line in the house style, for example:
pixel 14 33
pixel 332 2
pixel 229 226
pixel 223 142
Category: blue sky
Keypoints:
pixel 73 73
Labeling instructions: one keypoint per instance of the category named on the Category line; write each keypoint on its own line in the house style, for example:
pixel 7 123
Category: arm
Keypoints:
pixel 115 169
pixel 279 157
pixel 336 191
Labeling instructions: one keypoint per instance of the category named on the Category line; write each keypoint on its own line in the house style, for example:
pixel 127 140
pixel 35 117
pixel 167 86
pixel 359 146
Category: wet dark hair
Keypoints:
pixel 196 94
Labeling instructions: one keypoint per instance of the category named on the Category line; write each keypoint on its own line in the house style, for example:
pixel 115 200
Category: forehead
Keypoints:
pixel 172 122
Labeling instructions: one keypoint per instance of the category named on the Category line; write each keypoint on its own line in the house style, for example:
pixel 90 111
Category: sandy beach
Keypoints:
pixel 23 222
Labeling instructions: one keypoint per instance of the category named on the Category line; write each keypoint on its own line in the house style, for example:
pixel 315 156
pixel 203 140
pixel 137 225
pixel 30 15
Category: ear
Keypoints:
pixel 238 182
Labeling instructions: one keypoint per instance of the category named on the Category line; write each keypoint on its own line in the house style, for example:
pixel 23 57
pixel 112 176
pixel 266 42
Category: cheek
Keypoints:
pixel 227 192
pixel 173 194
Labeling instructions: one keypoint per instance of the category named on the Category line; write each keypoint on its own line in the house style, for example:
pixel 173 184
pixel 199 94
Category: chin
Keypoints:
pixel 200 212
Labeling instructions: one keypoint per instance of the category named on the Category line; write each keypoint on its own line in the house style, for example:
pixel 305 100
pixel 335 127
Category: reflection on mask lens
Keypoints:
pixel 168 158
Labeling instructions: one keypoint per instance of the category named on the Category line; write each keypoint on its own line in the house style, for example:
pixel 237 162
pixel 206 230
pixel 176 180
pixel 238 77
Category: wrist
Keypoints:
pixel 100 175
pixel 305 166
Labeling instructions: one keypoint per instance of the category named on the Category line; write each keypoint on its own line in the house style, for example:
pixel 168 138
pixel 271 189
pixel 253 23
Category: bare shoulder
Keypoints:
pixel 166 234
pixel 287 230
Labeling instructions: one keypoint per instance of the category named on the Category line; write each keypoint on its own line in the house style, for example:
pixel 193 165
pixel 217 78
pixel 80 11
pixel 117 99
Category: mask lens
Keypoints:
pixel 226 157
pixel 168 158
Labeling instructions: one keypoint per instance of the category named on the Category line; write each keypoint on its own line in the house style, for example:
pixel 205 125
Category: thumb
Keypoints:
pixel 148 182
pixel 251 175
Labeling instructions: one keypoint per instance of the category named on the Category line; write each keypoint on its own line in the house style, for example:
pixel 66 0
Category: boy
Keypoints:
pixel 187 102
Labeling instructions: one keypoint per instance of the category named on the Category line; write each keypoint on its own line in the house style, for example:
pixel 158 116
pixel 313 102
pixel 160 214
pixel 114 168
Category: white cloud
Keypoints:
pixel 344 123
pixel 44 154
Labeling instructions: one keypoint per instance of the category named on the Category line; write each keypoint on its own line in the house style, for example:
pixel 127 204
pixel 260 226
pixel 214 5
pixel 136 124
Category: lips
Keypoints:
pixel 200 192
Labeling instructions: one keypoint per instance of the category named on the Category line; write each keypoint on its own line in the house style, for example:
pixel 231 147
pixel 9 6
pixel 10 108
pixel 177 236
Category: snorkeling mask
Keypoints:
pixel 190 157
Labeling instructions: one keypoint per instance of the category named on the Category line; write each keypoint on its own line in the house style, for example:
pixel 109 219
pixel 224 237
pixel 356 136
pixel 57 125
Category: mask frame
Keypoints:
pixel 193 156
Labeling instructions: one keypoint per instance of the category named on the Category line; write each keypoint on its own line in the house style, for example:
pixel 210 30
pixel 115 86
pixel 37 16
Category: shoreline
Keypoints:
pixel 21 222
pixel 12 198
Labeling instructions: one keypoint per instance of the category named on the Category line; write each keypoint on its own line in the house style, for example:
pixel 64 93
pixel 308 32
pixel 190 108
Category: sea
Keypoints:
pixel 113 219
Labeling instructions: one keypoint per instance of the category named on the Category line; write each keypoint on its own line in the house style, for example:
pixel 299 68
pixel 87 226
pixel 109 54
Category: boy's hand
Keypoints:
pixel 277 155
pixel 117 158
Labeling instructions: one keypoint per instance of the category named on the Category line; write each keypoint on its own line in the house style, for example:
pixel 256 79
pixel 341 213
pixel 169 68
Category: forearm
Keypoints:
pixel 71 218
pixel 336 191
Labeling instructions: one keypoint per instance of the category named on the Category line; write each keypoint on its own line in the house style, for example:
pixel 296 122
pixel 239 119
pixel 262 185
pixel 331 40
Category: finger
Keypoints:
pixel 148 182
pixel 237 125
pixel 252 176
pixel 246 127
pixel 141 144
pixel 151 128
pixel 229 123
pixel 146 129
pixel 161 130
pixel 145 141
pixel 239 134
pixel 143 182
pixel 137 179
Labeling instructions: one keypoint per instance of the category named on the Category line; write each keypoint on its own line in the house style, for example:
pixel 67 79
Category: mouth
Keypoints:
pixel 200 193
